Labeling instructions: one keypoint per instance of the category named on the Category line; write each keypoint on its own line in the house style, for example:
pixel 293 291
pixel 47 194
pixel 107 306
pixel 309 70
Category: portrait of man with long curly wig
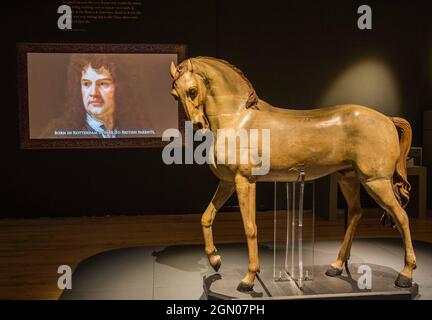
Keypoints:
pixel 95 101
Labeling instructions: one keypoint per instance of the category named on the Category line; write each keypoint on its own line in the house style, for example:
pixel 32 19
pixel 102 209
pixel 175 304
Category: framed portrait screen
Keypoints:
pixel 97 95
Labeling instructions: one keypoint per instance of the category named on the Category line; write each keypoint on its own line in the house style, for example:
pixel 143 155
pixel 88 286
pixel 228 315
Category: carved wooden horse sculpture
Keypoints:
pixel 361 143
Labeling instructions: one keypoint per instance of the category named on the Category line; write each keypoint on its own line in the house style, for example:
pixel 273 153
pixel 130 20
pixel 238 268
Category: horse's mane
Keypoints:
pixel 252 101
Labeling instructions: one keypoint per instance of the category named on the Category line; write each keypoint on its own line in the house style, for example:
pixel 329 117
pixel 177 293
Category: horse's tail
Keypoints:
pixel 401 186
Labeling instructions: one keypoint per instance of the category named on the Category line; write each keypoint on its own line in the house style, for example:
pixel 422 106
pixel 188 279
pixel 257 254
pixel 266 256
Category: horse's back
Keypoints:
pixel 323 112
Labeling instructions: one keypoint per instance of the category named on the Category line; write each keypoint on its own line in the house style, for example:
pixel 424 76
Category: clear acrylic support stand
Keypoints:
pixel 294 234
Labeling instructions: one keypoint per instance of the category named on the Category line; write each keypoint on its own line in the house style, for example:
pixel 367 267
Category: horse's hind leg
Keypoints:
pixel 350 187
pixel 223 192
pixel 382 191
pixel 246 192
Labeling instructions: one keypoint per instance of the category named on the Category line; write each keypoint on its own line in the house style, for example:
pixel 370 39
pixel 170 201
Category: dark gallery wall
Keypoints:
pixel 297 54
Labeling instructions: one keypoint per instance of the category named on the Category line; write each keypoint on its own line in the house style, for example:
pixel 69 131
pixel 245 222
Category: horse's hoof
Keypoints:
pixel 244 287
pixel 215 262
pixel 333 272
pixel 403 281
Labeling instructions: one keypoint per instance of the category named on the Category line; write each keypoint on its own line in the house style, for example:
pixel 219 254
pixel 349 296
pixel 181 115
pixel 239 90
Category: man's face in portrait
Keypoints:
pixel 98 91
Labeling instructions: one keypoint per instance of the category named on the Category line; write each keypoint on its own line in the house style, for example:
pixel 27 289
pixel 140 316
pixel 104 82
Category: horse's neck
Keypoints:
pixel 229 92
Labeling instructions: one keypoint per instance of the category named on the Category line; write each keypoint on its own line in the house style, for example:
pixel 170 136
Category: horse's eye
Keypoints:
pixel 192 93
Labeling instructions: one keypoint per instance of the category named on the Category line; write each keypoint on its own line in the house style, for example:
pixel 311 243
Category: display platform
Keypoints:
pixel 176 272
pixel 222 286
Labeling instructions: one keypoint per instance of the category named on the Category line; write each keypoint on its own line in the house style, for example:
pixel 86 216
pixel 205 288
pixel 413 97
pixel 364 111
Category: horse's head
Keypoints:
pixel 190 87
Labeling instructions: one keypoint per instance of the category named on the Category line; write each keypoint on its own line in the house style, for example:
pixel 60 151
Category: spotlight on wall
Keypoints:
pixel 369 82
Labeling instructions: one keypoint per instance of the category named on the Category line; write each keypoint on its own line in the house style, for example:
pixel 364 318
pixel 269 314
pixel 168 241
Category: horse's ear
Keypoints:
pixel 173 70
pixel 189 65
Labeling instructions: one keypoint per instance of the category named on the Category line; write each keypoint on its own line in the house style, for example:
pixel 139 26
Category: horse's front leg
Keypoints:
pixel 223 192
pixel 246 192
